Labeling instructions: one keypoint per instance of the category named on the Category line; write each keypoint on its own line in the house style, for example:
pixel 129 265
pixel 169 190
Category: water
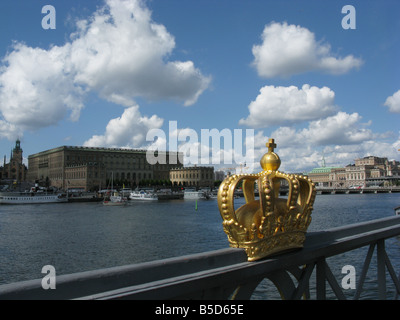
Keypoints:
pixel 76 237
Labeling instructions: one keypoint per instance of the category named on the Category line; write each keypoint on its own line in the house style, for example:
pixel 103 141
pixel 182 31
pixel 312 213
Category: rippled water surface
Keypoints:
pixel 76 237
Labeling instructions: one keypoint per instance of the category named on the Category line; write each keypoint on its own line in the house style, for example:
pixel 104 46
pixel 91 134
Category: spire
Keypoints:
pixel 17 144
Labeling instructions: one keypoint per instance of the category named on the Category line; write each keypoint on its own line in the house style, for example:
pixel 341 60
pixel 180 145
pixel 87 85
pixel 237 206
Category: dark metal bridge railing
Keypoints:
pixel 226 273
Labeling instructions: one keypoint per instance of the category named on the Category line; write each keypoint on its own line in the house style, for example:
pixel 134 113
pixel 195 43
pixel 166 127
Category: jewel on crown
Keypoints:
pixel 269 224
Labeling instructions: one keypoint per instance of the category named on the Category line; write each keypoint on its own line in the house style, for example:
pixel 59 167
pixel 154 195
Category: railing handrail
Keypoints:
pixel 214 274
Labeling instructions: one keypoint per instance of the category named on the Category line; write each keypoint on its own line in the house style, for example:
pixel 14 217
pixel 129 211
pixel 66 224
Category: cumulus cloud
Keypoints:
pixel 289 49
pixel 129 130
pixel 35 89
pixel 339 129
pixel 340 138
pixel 9 131
pixel 342 129
pixel 282 105
pixel 119 52
pixel 393 102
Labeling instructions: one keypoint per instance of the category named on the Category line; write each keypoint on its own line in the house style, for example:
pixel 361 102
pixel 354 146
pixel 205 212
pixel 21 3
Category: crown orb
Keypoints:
pixel 270 161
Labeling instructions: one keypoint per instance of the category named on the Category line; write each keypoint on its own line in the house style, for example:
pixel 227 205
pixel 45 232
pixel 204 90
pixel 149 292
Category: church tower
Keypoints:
pixel 17 153
pixel 15 169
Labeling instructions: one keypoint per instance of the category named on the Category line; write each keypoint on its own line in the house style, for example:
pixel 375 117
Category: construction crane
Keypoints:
pixel 228 170
pixel 243 166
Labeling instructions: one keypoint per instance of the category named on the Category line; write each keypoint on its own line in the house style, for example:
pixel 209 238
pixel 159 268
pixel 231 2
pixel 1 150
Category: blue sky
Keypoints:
pixel 113 70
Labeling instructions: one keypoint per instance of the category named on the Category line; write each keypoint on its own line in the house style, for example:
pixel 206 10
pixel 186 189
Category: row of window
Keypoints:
pixel 190 176
pixel 355 176
pixel 89 175
pixel 131 176
pixel 27 198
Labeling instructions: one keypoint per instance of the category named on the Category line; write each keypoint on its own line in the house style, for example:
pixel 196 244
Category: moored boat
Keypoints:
pixel 143 195
pixel 193 194
pixel 114 200
pixel 112 197
pixel 168 194
pixel 31 198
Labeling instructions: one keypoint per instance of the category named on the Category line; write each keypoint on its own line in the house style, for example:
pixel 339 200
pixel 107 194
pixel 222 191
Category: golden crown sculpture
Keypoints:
pixel 270 224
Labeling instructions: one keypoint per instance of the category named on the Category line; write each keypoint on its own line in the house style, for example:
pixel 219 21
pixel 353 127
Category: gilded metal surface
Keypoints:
pixel 270 224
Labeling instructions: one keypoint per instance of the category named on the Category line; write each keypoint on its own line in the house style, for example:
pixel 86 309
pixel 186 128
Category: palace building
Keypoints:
pixel 15 169
pixel 88 168
pixel 192 176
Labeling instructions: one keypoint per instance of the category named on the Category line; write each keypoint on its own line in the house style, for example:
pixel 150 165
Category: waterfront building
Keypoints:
pixel 88 168
pixel 85 176
pixel 192 176
pixel 380 167
pixel 323 176
pixel 356 176
pixel 365 172
pixel 15 169
pixel 337 178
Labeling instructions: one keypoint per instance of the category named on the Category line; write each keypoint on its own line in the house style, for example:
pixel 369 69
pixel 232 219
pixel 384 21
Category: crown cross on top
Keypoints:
pixel 271 145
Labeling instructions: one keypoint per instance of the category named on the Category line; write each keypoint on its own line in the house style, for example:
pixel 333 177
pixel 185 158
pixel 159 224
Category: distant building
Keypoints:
pixel 322 176
pixel 377 171
pixel 337 178
pixel 371 161
pixel 15 169
pixel 356 176
pixel 367 171
pixel 88 168
pixel 219 175
pixel 192 176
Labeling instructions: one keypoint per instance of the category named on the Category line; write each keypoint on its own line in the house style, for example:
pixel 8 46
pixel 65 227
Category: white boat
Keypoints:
pixel 142 195
pixel 193 194
pixel 113 198
pixel 125 192
pixel 397 211
pixel 31 198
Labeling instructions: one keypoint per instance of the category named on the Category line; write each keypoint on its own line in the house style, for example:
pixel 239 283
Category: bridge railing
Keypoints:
pixel 226 273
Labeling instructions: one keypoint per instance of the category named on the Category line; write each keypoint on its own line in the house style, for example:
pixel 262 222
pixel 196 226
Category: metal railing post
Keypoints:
pixel 321 282
pixel 381 269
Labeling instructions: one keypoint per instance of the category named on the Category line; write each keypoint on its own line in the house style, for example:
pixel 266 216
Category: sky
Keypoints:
pixel 321 78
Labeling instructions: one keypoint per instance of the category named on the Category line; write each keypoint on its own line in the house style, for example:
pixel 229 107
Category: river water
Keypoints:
pixel 76 237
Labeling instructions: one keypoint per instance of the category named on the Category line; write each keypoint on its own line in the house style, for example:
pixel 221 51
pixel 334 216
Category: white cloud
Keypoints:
pixel 9 131
pixel 129 130
pixel 393 102
pixel 339 129
pixel 35 90
pixel 342 129
pixel 119 53
pixel 339 138
pixel 289 49
pixel 282 105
